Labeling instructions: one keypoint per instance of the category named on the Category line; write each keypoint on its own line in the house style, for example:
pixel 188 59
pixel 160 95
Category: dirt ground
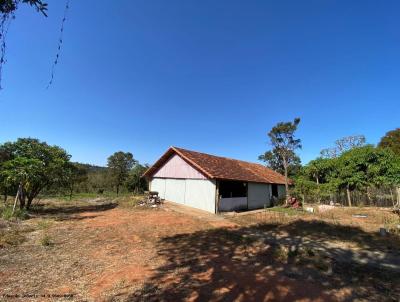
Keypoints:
pixel 104 251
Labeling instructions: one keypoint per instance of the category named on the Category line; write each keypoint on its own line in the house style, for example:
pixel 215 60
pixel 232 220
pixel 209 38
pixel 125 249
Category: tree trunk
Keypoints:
pixel 285 166
pixel 29 202
pixel 117 190
pixel 348 196
pixel 5 198
pixel 21 199
pixel 318 192
pixel 392 197
pixel 398 197
pixel 369 196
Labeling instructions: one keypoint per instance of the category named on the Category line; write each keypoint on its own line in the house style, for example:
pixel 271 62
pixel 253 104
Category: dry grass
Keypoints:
pixel 112 250
pixel 376 217
pixel 11 237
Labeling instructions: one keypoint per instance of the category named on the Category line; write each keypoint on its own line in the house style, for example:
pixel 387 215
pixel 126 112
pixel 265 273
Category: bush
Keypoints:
pixel 7 213
pixel 46 240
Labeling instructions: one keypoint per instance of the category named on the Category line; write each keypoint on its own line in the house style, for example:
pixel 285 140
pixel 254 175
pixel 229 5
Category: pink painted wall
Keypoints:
pixel 176 167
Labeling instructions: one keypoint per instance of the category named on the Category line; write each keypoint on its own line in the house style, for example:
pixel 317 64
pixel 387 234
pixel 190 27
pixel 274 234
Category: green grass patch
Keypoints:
pixel 46 240
pixel 288 211
pixel 7 213
pixel 80 196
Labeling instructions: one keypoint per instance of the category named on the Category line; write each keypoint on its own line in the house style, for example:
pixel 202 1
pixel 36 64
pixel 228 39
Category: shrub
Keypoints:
pixel 46 240
pixel 7 213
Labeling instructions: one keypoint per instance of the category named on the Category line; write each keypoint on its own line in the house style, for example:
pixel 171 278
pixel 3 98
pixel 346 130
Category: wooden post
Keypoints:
pixel 247 195
pixel 348 196
pixel 16 198
pixel 216 197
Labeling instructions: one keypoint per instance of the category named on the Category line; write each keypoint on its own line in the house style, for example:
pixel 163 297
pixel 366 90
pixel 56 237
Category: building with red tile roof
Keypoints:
pixel 213 183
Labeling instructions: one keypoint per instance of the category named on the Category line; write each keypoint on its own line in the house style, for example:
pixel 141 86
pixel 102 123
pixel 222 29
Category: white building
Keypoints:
pixel 212 183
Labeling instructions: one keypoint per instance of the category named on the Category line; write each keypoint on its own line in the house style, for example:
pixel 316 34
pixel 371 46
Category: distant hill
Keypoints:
pixel 90 168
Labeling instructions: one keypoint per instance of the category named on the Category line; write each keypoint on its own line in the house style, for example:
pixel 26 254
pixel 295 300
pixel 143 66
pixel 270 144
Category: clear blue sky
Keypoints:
pixel 212 76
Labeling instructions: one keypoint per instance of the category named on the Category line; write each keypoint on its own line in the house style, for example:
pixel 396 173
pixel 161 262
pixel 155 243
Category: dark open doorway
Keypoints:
pixel 274 190
pixel 229 189
pixel 232 195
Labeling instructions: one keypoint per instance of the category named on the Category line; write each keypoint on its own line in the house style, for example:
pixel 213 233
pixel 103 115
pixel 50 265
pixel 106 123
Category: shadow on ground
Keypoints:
pixel 71 212
pixel 272 262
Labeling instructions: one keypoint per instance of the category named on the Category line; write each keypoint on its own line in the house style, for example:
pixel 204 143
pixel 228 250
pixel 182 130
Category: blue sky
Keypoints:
pixel 212 76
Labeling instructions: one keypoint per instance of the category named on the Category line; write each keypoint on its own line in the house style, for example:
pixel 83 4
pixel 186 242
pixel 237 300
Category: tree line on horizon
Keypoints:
pixel 350 171
pixel 30 167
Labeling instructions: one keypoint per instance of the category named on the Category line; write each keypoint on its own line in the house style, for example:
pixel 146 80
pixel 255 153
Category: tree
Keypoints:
pixel 9 6
pixel 119 164
pixel 391 140
pixel 135 182
pixel 284 145
pixel 275 162
pixel 7 14
pixel 77 173
pixel 318 170
pixel 33 165
pixel 365 167
pixel 304 187
pixel 342 145
pixel 4 156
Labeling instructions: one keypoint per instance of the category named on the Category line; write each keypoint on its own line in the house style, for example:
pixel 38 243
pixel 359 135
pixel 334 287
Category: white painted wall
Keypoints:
pixel 196 193
pixel 158 184
pixel 200 194
pixel 259 195
pixel 175 190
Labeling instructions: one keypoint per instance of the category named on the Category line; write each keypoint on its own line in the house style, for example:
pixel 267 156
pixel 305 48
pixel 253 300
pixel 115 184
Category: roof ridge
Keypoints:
pixel 199 167
pixel 224 157
pixel 220 167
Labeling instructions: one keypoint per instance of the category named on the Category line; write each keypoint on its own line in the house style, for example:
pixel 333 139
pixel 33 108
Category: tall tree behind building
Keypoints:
pixel 284 144
pixel 119 164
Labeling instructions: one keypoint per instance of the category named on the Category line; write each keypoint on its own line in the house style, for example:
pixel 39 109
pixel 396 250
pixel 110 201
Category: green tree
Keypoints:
pixel 10 6
pixel 364 167
pixel 391 140
pixel 34 165
pixel 135 182
pixel 318 170
pixel 274 161
pixel 304 187
pixel 284 145
pixel 4 190
pixel 119 164
pixel 76 174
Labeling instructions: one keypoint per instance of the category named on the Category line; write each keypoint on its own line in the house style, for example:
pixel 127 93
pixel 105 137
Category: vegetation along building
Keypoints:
pixel 213 183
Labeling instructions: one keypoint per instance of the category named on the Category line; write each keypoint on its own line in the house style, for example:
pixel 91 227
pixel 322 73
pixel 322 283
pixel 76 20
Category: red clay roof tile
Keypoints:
pixel 217 167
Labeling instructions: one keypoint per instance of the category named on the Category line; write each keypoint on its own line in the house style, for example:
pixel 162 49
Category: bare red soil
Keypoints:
pixel 111 253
